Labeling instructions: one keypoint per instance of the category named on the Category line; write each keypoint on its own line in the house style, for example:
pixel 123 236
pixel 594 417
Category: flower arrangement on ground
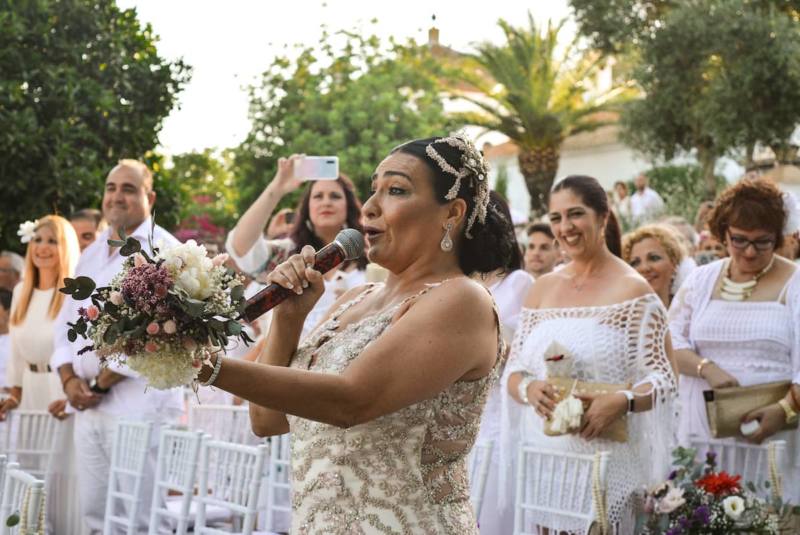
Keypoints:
pixel 164 314
pixel 696 499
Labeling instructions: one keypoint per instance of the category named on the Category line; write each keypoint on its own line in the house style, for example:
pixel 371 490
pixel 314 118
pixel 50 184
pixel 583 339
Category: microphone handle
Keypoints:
pixel 268 298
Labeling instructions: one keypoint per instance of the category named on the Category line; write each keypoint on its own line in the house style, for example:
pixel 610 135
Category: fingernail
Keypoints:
pixel 305 284
pixel 299 291
pixel 290 285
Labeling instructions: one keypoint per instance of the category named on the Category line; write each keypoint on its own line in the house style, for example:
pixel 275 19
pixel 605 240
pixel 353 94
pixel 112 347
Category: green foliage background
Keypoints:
pixel 351 96
pixel 82 86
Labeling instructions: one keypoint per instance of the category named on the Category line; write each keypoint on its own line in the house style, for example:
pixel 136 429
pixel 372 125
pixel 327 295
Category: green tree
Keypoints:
pixel 207 193
pixel 501 182
pixel 82 86
pixel 350 97
pixel 681 187
pixel 717 76
pixel 536 96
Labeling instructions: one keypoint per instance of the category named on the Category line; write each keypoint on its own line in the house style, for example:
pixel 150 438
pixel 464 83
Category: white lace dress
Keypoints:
pixel 620 343
pixel 756 342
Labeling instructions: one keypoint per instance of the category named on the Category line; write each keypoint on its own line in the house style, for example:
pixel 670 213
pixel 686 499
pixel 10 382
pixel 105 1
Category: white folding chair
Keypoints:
pixel 30 440
pixel 228 423
pixel 754 462
pixel 22 494
pixel 3 467
pixel 278 515
pixel 128 458
pixel 478 462
pixel 230 477
pixel 176 468
pixel 560 486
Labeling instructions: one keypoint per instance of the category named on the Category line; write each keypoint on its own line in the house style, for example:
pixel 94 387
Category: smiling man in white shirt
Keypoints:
pixel 103 396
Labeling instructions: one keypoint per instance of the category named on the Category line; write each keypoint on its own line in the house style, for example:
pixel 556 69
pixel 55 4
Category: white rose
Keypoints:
pixel 567 415
pixel 188 283
pixel 116 298
pixel 673 499
pixel 733 507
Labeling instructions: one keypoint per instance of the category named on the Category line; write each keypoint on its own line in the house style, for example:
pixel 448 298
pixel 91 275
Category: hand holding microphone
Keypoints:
pixel 301 275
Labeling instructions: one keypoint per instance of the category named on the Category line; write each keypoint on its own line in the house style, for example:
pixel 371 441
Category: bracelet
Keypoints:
pixel 790 415
pixel 700 366
pixel 67 380
pixel 15 398
pixel 215 372
pixel 630 397
pixel 522 388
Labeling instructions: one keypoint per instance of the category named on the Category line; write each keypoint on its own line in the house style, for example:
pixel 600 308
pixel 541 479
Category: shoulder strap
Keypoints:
pixel 368 288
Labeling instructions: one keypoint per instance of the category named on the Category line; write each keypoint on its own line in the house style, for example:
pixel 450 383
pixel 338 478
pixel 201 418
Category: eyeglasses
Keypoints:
pixel 741 243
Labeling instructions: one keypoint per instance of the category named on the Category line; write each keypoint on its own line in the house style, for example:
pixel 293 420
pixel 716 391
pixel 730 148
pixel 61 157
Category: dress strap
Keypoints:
pixel 344 307
pixel 785 290
pixel 428 288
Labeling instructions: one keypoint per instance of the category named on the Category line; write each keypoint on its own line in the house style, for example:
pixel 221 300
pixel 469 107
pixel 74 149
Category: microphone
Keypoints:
pixel 348 245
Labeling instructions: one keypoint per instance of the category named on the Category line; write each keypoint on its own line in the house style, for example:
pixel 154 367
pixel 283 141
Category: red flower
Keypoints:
pixel 555 358
pixel 719 484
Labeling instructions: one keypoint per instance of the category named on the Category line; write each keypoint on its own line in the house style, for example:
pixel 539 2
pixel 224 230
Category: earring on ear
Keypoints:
pixel 447 244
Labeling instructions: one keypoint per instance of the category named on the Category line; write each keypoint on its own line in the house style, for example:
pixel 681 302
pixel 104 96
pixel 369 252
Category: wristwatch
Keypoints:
pixel 94 387
pixel 791 415
pixel 631 399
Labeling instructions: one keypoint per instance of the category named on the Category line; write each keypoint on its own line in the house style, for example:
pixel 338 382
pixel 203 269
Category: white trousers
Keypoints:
pixel 94 437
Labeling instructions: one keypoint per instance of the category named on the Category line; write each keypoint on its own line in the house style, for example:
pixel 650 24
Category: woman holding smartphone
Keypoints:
pixel 327 207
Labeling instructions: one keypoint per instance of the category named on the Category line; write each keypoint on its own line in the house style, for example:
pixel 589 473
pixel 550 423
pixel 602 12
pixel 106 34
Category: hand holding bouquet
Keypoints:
pixel 164 314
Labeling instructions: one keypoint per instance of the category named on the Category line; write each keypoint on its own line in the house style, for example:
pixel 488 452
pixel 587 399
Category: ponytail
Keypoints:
pixel 613 235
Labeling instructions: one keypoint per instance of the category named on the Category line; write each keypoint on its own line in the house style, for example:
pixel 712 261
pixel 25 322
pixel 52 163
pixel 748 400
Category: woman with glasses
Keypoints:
pixel 736 321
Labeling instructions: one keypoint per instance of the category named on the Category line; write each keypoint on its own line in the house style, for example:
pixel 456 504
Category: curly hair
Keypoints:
pixel 665 236
pixel 750 204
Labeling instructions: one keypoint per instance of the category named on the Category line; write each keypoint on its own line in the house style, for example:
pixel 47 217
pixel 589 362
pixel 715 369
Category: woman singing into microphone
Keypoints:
pixel 384 398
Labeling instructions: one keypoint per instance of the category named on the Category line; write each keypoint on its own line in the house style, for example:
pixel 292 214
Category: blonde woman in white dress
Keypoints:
pixel 736 321
pixel 53 251
pixel 615 329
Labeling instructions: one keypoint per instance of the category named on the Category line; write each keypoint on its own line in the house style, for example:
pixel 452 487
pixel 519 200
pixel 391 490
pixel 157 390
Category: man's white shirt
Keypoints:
pixel 646 205
pixel 128 396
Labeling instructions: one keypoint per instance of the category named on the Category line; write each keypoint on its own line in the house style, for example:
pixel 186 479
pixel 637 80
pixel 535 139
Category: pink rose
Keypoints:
pixel 220 259
pixel 92 312
pixel 116 298
pixel 151 347
pixel 170 327
pixel 189 344
pixel 153 328
pixel 196 363
pixel 139 260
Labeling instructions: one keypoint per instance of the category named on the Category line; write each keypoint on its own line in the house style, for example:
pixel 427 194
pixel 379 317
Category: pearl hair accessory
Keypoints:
pixel 473 165
pixel 27 230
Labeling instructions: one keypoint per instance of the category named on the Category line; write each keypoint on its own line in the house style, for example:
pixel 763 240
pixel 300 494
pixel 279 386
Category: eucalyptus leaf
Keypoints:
pixel 13 519
pixel 237 293
pixel 233 328
pixel 84 288
pixel 193 307
pixel 72 335
pixel 111 335
pixel 132 246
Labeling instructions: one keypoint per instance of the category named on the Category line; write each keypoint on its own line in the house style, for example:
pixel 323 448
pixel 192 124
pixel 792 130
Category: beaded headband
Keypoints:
pixel 473 165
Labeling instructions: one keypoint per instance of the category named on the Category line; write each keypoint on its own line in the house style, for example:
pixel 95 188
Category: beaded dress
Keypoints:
pixel 402 473
pixel 618 343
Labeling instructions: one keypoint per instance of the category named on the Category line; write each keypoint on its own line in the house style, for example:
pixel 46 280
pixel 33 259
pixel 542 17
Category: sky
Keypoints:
pixel 230 43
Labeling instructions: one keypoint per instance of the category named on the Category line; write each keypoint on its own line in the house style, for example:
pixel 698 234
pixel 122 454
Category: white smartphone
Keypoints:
pixel 317 168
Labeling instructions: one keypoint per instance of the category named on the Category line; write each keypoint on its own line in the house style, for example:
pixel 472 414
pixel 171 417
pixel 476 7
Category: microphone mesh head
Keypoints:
pixel 352 241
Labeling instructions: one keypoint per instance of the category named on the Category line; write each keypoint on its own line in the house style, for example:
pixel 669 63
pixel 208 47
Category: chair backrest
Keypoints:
pixel 751 461
pixel 176 470
pixel 556 487
pixel 128 458
pixel 279 485
pixel 230 476
pixel 3 467
pixel 21 487
pixel 478 462
pixel 30 440
pixel 228 423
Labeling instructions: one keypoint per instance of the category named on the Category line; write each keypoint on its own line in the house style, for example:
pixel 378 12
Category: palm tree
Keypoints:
pixel 536 96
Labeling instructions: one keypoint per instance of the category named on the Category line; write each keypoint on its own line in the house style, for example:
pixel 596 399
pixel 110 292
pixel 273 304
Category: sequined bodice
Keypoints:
pixel 402 473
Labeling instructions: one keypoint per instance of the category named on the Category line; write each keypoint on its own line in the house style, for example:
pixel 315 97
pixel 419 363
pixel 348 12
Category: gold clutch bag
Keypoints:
pixel 617 431
pixel 727 406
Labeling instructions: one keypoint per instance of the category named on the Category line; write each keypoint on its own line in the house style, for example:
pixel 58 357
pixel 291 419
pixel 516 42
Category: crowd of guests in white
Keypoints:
pixel 670 308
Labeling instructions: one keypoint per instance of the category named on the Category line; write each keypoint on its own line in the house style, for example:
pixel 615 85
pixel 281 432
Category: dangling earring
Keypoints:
pixel 309 225
pixel 447 244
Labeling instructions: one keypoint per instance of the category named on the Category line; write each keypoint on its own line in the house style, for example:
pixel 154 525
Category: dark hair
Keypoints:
pixel 302 233
pixel 750 204
pixel 5 299
pixel 544 228
pixel 88 214
pixel 489 248
pixel 594 196
pixel 514 260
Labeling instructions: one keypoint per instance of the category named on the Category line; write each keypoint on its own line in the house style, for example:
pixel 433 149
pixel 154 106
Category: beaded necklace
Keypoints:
pixel 741 291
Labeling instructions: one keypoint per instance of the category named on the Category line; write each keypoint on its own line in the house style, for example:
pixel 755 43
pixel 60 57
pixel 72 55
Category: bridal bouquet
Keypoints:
pixel 698 500
pixel 164 314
